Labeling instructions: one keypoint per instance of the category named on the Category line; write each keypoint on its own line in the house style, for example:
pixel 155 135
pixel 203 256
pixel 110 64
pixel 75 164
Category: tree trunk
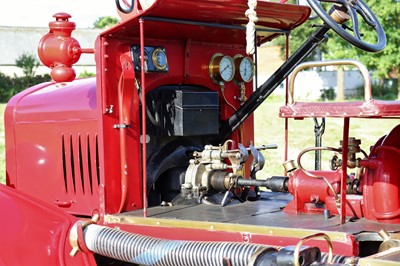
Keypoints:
pixel 340 84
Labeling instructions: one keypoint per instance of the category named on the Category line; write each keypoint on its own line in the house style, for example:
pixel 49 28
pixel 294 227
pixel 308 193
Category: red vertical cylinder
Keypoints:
pixel 381 191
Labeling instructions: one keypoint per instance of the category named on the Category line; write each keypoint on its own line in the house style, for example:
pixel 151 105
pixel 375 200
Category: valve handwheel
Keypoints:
pixel 343 10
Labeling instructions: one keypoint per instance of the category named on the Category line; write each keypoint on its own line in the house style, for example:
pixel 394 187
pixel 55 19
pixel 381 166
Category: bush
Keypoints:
pixel 9 86
pixel 6 84
pixel 385 89
pixel 29 63
pixel 328 94
pixel 86 74
pixel 105 22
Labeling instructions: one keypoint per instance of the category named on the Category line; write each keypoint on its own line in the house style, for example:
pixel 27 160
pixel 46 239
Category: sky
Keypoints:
pixel 38 13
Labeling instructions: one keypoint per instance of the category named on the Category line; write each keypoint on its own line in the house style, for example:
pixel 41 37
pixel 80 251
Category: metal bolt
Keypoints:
pixel 327 214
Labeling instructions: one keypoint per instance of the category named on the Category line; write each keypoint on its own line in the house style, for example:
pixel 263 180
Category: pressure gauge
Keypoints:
pixel 244 68
pixel 222 68
pixel 159 59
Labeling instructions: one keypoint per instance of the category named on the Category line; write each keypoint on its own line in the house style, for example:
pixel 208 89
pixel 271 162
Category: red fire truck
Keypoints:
pixel 153 161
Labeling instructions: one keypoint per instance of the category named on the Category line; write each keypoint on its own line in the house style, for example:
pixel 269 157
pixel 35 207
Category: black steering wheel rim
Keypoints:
pixel 129 6
pixel 354 40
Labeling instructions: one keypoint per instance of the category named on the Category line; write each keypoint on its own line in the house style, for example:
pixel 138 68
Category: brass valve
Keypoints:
pixel 352 162
pixel 389 241
pixel 353 149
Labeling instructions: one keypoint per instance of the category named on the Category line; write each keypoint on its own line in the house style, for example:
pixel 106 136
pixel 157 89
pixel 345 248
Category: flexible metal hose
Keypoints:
pixel 144 250
pixel 340 259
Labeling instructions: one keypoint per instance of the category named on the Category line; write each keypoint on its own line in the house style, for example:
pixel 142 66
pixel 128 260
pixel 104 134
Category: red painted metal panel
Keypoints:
pixel 230 12
pixel 109 155
pixel 271 15
pixel 11 163
pixel 188 58
pixel 54 130
pixel 189 47
pixel 34 233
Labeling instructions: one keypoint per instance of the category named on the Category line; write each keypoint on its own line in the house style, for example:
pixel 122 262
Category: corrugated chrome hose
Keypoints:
pixel 144 250
pixel 151 251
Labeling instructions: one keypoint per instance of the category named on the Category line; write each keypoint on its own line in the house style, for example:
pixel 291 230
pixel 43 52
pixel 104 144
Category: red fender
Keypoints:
pixel 33 232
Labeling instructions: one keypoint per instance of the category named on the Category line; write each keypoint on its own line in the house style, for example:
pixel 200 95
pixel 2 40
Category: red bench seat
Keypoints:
pixel 359 109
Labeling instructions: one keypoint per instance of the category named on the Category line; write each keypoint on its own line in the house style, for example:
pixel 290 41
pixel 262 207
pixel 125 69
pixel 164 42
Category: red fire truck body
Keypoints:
pixel 153 161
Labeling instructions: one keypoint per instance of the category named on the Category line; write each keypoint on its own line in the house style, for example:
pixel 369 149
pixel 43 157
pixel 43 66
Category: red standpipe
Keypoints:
pixel 345 148
pixel 144 133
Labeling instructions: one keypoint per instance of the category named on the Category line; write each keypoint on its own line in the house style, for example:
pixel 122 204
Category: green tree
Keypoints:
pixel 299 35
pixel 6 91
pixel 29 63
pixel 385 64
pixel 86 74
pixel 105 22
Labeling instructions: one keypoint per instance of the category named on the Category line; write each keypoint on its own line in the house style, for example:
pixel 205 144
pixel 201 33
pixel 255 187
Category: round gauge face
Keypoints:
pixel 227 68
pixel 246 69
pixel 222 68
pixel 159 59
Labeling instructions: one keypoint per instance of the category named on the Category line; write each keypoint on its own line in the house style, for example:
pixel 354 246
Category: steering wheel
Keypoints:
pixel 124 6
pixel 343 10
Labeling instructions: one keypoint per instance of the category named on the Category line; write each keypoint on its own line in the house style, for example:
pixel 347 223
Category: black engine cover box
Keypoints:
pixel 190 111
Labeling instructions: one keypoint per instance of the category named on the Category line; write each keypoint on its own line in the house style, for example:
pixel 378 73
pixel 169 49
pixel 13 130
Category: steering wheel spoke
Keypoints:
pixel 354 21
pixel 364 14
pixel 340 2
pixel 343 10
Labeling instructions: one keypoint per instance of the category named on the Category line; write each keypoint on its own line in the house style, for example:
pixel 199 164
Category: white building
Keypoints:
pixel 15 41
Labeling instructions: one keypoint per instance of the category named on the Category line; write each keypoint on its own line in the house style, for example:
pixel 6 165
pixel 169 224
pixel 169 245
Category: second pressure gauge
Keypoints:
pixel 244 68
pixel 222 68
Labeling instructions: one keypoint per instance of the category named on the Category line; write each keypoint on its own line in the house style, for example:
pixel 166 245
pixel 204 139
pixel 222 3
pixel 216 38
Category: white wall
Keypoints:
pixel 352 80
pixel 15 41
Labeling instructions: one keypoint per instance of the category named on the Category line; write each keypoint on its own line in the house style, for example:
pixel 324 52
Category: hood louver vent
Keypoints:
pixel 80 157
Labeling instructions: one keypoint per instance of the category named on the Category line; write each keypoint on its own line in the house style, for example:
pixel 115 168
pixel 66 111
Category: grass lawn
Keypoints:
pixel 269 129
